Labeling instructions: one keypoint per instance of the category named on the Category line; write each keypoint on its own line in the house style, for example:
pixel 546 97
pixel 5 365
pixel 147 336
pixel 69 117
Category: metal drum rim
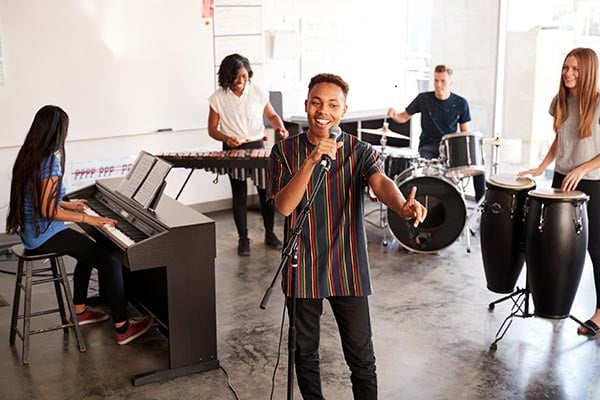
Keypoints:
pixel 462 134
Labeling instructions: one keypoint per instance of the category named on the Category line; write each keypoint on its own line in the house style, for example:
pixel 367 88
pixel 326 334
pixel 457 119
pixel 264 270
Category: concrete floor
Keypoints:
pixel 432 335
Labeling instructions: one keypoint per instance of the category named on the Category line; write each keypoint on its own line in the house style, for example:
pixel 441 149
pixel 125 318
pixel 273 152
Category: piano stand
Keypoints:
pixel 161 375
pixel 168 272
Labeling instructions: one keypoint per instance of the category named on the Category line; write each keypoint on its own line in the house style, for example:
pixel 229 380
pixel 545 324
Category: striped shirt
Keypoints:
pixel 332 246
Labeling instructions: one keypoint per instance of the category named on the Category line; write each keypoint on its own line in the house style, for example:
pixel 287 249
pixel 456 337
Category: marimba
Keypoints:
pixel 238 164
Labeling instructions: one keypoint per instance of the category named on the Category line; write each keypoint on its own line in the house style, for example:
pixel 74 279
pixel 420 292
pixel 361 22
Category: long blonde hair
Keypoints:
pixel 587 92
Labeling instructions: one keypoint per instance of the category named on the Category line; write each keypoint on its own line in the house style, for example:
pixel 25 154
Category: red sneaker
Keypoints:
pixel 137 327
pixel 90 316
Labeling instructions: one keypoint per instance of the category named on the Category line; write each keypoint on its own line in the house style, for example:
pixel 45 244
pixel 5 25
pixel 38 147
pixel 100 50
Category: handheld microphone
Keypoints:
pixel 334 133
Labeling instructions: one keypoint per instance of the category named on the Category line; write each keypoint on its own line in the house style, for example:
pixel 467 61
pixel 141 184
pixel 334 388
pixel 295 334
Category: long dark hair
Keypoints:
pixel 229 68
pixel 46 137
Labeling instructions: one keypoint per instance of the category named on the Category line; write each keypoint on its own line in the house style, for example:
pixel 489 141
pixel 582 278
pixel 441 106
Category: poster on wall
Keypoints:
pixel 208 8
pixel 83 173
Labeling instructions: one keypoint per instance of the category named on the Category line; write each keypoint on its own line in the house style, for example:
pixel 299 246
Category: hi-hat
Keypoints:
pixel 498 141
pixel 384 132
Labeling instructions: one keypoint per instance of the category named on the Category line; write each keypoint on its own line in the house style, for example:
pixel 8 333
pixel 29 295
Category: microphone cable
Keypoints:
pixel 278 350
pixel 229 385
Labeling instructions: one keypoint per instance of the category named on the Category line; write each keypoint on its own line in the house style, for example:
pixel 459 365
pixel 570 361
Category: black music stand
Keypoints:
pixel 290 251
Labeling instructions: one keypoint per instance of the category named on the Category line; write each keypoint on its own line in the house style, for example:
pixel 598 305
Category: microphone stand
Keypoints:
pixel 290 251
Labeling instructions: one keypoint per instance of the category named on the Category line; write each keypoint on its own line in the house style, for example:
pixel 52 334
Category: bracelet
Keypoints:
pixel 83 218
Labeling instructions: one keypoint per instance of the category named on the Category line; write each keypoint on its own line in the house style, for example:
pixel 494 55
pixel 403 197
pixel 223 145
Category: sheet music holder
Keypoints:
pixel 145 181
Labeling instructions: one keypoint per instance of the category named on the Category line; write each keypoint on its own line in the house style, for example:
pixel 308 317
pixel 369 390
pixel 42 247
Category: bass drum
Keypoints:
pixel 446 213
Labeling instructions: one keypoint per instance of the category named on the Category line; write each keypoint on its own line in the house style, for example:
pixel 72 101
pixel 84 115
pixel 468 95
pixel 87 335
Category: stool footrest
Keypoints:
pixel 39 313
pixel 42 330
pixel 53 328
pixel 47 280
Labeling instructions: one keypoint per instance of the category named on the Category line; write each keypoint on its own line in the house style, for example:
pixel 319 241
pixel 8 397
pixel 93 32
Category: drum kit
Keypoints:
pixel 547 229
pixel 440 188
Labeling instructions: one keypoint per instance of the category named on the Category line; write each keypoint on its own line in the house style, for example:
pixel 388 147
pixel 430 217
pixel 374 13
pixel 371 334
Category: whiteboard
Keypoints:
pixel 117 67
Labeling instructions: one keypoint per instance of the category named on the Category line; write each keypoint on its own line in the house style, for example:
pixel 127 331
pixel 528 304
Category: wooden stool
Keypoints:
pixel 59 277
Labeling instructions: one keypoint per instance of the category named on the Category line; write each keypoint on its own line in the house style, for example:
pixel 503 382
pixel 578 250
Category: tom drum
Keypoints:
pixel 463 154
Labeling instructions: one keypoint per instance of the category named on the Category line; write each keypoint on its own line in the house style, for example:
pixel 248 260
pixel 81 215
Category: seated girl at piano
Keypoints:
pixel 37 212
pixel 236 119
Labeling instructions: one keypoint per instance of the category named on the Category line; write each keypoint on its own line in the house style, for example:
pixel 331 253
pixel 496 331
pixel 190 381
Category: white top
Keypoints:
pixel 573 151
pixel 241 116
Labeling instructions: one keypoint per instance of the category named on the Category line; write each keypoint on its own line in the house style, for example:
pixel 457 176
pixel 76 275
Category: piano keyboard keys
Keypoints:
pixel 115 232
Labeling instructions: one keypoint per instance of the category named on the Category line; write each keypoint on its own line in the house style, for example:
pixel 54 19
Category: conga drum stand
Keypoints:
pixel 519 309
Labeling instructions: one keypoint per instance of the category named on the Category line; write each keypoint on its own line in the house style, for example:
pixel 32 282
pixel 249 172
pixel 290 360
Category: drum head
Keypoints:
pixel 446 215
pixel 509 181
pixel 557 194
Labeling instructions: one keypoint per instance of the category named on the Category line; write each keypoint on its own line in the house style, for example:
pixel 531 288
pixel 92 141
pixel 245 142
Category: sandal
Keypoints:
pixel 589 328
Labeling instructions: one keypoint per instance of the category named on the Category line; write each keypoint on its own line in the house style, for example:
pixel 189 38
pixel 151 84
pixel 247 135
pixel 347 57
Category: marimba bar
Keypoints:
pixel 238 164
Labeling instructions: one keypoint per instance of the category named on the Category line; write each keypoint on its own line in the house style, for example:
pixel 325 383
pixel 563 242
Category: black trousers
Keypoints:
pixel 239 199
pixel 432 150
pixel 592 189
pixel 90 254
pixel 354 325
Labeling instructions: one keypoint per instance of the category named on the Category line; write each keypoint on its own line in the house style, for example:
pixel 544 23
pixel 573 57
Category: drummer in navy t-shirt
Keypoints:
pixel 442 112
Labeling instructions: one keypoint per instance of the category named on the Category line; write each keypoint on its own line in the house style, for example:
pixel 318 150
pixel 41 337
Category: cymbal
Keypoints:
pixel 386 132
pixel 498 141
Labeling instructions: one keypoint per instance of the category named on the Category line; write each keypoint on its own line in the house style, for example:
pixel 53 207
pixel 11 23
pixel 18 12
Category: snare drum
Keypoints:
pixel 463 153
pixel 502 230
pixel 397 159
pixel 555 248
pixel 446 213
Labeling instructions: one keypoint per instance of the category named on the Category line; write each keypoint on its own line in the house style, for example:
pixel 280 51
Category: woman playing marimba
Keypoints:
pixel 236 119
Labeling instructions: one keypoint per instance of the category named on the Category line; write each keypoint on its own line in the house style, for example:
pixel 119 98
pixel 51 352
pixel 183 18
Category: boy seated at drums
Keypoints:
pixel 442 112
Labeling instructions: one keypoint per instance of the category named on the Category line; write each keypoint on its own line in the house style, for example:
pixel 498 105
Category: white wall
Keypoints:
pixel 362 42
pixel 465 36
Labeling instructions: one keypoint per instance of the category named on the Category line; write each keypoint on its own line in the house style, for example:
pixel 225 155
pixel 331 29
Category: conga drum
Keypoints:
pixel 556 237
pixel 502 230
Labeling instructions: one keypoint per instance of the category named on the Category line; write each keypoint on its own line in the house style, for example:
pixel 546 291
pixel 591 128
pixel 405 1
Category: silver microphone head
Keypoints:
pixel 334 132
